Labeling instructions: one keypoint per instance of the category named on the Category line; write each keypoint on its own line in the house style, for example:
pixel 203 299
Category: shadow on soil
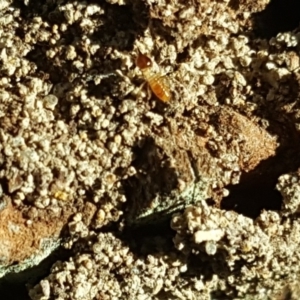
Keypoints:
pixel 14 286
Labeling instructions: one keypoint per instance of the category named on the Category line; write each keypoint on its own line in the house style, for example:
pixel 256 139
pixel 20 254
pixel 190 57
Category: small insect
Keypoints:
pixel 61 195
pixel 157 82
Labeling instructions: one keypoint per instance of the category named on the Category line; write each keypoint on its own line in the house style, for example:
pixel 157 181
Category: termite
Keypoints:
pixel 157 82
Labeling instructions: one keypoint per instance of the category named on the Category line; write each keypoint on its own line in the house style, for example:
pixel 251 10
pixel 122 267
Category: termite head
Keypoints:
pixel 143 61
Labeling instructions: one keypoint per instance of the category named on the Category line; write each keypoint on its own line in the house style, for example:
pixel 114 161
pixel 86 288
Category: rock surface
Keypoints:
pixel 154 200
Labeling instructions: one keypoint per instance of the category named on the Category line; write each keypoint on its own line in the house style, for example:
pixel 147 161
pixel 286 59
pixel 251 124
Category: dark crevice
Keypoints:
pixel 15 285
pixel 257 189
pixel 278 16
pixel 149 238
